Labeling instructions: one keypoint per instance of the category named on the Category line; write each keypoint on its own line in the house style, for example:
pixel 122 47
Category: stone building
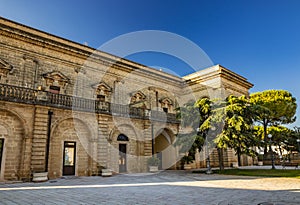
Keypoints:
pixel 69 109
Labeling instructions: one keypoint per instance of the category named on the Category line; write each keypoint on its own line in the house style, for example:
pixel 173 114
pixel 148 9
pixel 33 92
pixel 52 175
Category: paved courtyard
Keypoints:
pixel 169 187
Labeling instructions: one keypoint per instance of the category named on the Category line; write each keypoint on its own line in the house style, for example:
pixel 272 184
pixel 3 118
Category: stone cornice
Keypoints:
pixel 217 71
pixel 43 39
pixel 227 86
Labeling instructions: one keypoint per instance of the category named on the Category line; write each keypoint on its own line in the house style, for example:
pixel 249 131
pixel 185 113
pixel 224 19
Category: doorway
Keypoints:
pixel 164 149
pixel 122 158
pixel 1 150
pixel 69 158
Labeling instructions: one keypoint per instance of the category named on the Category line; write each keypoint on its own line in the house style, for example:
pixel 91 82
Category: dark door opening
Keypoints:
pixel 69 158
pixel 122 158
pixel 1 150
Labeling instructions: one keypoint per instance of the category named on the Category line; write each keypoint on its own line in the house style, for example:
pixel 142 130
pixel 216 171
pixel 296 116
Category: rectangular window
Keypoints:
pixel 54 89
pixel 101 98
pixel 165 110
pixel 69 153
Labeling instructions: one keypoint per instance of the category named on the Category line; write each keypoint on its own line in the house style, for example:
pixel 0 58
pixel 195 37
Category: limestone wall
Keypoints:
pixel 43 62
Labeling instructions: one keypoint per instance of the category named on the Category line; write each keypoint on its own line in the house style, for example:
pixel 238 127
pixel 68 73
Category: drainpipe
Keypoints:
pixel 50 113
pixel 152 139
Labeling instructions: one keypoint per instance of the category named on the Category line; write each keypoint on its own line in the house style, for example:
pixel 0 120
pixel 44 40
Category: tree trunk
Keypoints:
pixel 280 150
pixel 265 125
pixel 221 161
pixel 239 157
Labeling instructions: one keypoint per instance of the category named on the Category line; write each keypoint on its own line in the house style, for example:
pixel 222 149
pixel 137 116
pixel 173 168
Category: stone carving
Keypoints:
pixel 55 82
pixel 5 68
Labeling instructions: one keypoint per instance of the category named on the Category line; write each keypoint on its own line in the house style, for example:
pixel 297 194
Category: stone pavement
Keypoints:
pixel 168 187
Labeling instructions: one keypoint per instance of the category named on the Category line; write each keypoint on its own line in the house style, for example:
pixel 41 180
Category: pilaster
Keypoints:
pixel 38 150
pixel 103 135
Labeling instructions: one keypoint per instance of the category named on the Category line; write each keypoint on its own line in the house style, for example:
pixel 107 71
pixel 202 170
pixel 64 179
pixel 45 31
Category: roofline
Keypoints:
pixel 88 50
pixel 214 71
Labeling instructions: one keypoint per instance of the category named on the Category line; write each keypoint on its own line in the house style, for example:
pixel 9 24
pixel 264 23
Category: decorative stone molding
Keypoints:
pixel 102 87
pixel 102 91
pixel 55 78
pixel 166 101
pixel 5 68
pixel 166 104
pixel 138 99
pixel 80 70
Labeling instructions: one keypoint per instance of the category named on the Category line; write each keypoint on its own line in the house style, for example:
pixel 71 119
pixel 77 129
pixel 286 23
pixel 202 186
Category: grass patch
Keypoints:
pixel 261 172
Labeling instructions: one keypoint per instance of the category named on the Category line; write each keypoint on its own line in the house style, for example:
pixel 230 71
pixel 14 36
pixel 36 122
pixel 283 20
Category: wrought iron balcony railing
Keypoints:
pixel 30 96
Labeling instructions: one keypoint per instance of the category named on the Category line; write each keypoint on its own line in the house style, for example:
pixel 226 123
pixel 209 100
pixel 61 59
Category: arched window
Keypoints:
pixel 122 137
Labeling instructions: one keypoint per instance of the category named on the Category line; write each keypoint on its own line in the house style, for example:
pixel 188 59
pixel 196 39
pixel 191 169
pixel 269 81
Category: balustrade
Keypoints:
pixel 31 96
pixel 14 93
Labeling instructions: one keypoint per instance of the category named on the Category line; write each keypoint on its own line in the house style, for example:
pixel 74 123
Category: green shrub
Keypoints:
pixel 153 161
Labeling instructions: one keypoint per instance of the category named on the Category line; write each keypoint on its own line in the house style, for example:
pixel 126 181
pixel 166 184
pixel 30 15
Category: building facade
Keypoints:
pixel 69 109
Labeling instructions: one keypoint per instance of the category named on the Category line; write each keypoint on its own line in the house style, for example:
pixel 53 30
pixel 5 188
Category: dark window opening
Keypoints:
pixel 54 89
pixel 165 110
pixel 101 98
pixel 1 150
pixel 122 158
pixel 122 138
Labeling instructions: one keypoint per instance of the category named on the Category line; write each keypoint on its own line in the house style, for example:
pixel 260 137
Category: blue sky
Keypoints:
pixel 258 39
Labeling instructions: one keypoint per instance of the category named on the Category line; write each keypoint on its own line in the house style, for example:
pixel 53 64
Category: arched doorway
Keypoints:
pixel 12 147
pixel 164 149
pixel 122 139
pixel 69 146
pixel 3 134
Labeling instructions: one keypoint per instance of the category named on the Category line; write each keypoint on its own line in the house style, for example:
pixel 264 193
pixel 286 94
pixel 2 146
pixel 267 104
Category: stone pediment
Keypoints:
pixel 5 67
pixel 137 97
pixel 101 86
pixel 56 75
pixel 56 78
pixel 166 101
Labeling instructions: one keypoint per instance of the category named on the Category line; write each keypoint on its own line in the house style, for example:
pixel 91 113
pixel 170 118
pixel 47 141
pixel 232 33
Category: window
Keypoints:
pixel 122 137
pixel 165 109
pixel 166 104
pixel 101 98
pixel 1 150
pixel 54 89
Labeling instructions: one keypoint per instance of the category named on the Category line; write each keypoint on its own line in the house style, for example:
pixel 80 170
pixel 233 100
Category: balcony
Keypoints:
pixel 36 97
